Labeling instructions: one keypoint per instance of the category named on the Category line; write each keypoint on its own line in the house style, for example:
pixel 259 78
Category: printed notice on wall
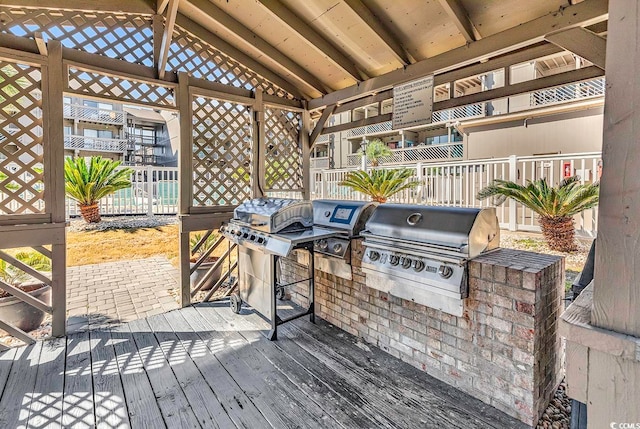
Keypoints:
pixel 412 103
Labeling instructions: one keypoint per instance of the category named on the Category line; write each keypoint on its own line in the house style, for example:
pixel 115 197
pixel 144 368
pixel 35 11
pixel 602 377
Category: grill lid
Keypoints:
pixel 469 231
pixel 349 216
pixel 274 214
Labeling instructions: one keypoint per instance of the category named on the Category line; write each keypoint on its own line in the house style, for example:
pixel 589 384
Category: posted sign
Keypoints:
pixel 413 103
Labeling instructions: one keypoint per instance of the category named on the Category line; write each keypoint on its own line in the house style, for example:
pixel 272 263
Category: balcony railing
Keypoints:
pixel 95 144
pixel 320 162
pixel 93 114
pixel 562 94
pixel 441 152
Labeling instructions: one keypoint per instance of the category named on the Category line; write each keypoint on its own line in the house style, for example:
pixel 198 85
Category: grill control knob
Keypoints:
pixel 327 213
pixel 238 233
pixel 373 255
pixel 393 260
pixel 253 237
pixel 323 245
pixel 337 248
pixel 260 240
pixel 418 266
pixel 406 262
pixel 445 271
pixel 222 229
pixel 245 235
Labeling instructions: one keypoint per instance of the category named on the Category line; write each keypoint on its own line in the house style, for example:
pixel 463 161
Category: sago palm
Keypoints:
pixel 380 184
pixel 375 150
pixel 555 207
pixel 86 183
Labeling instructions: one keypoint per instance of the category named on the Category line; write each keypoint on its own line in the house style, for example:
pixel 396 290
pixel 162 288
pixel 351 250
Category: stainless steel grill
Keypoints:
pixel 266 229
pixel 347 218
pixel 420 253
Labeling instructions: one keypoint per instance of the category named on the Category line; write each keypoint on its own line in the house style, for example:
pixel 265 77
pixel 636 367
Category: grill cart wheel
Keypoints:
pixel 280 294
pixel 236 303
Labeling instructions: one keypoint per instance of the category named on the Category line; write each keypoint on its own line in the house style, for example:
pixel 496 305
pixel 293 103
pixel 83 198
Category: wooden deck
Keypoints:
pixel 205 367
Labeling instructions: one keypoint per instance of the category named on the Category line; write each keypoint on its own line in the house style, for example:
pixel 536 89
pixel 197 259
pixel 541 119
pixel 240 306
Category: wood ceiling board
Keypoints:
pixel 253 47
pixel 493 16
pixel 343 28
pixel 424 28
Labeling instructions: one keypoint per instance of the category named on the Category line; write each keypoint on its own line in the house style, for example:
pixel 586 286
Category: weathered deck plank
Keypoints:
pixel 171 399
pixel 204 366
pixel 239 407
pixel 141 402
pixel 77 405
pixel 17 393
pixel 108 394
pixel 46 404
pixel 208 410
pixel 265 384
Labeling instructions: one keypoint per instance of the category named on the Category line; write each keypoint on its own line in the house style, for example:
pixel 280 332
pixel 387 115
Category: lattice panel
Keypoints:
pixel 98 84
pixel 114 35
pixel 222 147
pixel 21 142
pixel 283 150
pixel 201 60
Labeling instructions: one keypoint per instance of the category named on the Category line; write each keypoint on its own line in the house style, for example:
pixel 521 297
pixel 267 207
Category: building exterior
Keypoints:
pixel 558 120
pixel 133 135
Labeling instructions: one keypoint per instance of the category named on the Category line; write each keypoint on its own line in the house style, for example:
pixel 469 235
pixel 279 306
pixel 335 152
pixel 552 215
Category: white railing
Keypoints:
pixel 439 152
pixel 95 144
pixel 457 184
pixel 561 94
pixel 154 190
pixel 93 114
pixel 320 162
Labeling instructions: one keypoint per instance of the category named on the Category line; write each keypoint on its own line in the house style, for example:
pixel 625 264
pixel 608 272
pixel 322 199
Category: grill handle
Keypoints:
pixel 414 218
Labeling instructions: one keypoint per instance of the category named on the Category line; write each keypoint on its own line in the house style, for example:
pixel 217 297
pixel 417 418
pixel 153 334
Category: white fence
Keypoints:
pixel 154 190
pixel 457 184
pixel 435 152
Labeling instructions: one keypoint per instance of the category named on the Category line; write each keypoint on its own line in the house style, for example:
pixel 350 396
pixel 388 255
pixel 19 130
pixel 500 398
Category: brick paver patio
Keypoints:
pixel 121 291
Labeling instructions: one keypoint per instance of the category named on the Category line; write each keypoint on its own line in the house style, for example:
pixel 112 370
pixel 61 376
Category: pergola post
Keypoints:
pixel 186 187
pixel 602 326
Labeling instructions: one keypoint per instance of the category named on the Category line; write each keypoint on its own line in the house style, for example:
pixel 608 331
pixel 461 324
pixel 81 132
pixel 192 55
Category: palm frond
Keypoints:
pixel 87 184
pixel 380 184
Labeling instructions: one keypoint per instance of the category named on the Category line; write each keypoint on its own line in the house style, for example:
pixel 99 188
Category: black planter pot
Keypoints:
pixel 22 315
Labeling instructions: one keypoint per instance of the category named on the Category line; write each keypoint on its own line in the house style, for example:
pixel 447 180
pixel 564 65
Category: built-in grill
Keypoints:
pixel 420 253
pixel 266 229
pixel 347 218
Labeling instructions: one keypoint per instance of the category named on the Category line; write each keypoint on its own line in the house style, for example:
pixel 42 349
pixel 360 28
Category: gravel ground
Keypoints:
pixel 558 413
pixel 122 222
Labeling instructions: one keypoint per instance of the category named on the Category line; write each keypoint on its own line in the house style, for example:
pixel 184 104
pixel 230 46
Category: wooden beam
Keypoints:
pixel 522 87
pixel 359 123
pixel 218 17
pixel 230 50
pixel 313 38
pixel 529 33
pixel 583 43
pixel 42 46
pixel 371 99
pixel 169 23
pixel 157 25
pixel 616 294
pixel 161 5
pixel 385 35
pixel 460 18
pixel 129 6
pixel 328 111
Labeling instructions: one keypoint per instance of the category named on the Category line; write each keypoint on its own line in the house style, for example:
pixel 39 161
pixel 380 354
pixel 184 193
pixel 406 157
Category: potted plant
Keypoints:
pixel 206 265
pixel 555 207
pixel 88 183
pixel 380 184
pixel 375 150
pixel 15 311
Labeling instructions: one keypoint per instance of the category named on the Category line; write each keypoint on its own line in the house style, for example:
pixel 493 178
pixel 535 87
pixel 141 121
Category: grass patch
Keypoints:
pixel 95 247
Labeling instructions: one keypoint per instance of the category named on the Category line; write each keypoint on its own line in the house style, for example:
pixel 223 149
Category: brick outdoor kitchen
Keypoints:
pixel 505 349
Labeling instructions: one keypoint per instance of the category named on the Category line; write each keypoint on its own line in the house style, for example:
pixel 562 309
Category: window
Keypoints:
pixel 67 131
pixel 90 103
pixel 105 134
pixel 105 106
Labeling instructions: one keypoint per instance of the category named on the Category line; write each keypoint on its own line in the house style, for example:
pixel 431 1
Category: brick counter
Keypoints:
pixel 504 350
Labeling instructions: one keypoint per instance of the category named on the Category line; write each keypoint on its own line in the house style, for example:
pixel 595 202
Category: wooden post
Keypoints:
pixel 305 130
pixel 54 183
pixel 617 269
pixel 259 149
pixel 185 168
